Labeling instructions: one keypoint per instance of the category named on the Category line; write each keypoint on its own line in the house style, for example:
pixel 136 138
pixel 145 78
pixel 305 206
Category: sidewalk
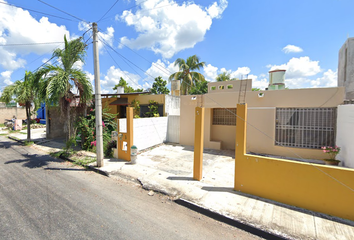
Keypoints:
pixel 169 169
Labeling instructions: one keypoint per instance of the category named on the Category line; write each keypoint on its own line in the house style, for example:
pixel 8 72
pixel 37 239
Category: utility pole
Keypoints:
pixel 98 101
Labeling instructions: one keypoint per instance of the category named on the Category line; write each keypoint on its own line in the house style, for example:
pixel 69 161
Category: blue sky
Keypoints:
pixel 241 37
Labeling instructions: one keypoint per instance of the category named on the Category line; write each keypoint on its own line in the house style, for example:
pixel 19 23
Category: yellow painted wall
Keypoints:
pixel 261 132
pixel 310 186
pixel 225 135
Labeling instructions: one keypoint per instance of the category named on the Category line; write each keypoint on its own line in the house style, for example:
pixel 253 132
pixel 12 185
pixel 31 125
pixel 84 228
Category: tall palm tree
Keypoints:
pixel 224 76
pixel 186 75
pixel 26 93
pixel 64 77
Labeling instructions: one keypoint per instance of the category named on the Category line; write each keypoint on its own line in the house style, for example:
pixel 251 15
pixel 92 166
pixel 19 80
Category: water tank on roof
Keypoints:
pixel 276 79
pixel 120 90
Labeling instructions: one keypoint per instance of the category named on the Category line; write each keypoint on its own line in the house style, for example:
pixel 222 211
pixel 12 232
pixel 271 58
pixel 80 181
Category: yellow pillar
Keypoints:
pixel 126 137
pixel 241 127
pixel 198 143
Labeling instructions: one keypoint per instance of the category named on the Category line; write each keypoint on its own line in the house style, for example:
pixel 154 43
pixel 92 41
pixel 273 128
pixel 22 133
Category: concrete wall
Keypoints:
pixel 55 124
pixel 172 109
pixel 147 132
pixel 345 138
pixel 173 128
pixel 346 67
pixel 172 105
pixel 229 86
pixel 315 187
pixel 8 113
pixel 261 130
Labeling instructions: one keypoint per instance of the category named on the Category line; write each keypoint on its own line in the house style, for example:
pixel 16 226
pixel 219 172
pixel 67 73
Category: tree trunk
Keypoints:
pixel 68 124
pixel 28 115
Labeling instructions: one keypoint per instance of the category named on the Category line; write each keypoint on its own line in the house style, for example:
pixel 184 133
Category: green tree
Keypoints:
pixel 64 77
pixel 224 76
pixel 159 86
pixel 256 89
pixel 186 74
pixel 26 93
pixel 199 88
pixel 127 88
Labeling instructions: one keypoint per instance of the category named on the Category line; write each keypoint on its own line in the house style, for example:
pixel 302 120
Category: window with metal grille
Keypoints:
pixel 224 116
pixel 305 127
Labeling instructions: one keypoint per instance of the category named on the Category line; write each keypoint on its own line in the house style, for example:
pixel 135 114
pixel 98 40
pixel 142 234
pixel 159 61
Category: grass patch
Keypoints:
pixel 83 161
pixel 28 143
pixel 23 133
pixel 2 125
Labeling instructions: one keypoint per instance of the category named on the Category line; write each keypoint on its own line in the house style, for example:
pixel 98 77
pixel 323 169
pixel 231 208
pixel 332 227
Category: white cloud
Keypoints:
pixel 292 49
pixel 210 73
pixel 299 67
pixel 18 26
pixel 259 83
pixel 167 28
pixel 5 77
pixel 329 79
pixel 113 76
pixel 215 10
pixel 240 73
pixel 300 73
pixel 78 65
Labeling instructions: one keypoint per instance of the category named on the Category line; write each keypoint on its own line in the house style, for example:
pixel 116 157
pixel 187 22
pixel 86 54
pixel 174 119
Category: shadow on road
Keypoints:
pixel 7 143
pixel 35 160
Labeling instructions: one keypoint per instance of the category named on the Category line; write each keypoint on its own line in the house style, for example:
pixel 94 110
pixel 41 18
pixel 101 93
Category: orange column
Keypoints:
pixel 241 127
pixel 126 138
pixel 198 144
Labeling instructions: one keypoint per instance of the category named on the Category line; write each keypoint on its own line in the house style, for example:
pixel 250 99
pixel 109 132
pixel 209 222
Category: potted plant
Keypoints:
pixel 332 152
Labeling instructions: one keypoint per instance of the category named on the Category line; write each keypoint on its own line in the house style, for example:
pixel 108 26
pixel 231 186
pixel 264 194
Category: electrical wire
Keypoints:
pixel 145 10
pixel 27 44
pixel 38 12
pixel 62 11
pixel 162 68
pixel 126 75
pixel 108 10
pixel 124 58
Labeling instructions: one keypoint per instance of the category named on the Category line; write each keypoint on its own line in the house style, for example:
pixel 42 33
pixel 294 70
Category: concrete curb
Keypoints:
pixel 232 222
pixel 92 168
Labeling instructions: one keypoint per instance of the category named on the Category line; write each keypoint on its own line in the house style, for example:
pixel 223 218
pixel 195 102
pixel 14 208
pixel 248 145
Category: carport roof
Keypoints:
pixel 120 101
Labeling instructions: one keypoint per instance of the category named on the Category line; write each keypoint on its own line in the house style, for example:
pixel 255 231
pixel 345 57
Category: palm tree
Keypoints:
pixel 186 75
pixel 224 76
pixel 26 93
pixel 64 77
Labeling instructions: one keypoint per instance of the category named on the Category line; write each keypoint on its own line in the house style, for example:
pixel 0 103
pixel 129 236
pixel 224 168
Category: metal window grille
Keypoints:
pixel 224 116
pixel 305 127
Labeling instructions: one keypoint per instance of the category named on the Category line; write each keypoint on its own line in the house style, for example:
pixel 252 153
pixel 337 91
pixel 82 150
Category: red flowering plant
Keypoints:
pixel 86 128
pixel 332 152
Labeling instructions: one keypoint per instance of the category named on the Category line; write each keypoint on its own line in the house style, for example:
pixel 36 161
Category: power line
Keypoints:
pixel 126 58
pixel 145 9
pixel 38 12
pixel 162 68
pixel 108 10
pixel 126 75
pixel 62 11
pixel 25 44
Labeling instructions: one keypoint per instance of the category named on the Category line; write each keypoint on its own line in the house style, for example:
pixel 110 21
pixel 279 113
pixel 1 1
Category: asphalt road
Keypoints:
pixel 45 198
